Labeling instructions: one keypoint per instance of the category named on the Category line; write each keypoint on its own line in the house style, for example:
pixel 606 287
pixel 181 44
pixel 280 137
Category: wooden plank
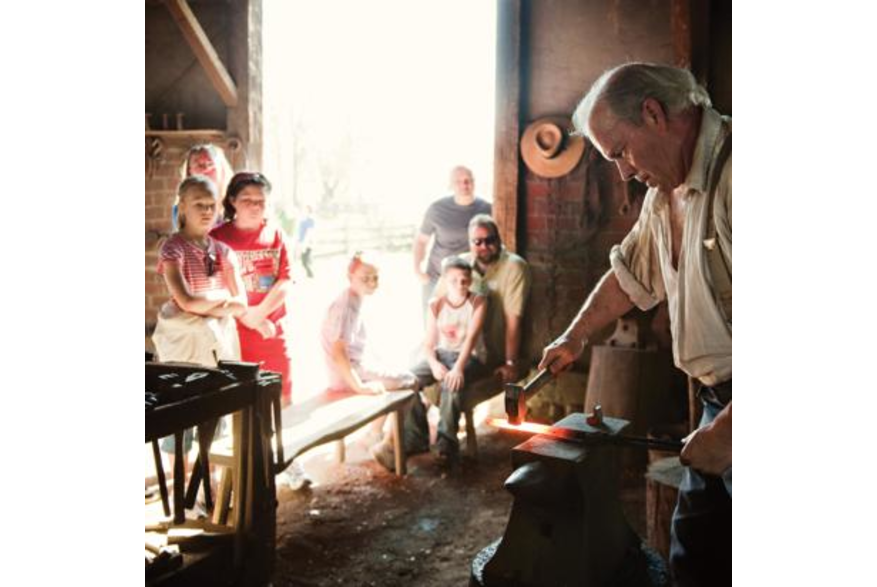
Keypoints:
pixel 339 418
pixel 325 418
pixel 204 51
pixel 202 134
pixel 506 168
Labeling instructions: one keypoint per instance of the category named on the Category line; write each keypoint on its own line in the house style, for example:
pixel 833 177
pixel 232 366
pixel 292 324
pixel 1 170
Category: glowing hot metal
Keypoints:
pixel 592 435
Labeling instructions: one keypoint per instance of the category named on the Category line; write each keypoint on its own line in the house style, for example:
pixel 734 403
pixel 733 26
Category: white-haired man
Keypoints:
pixel 657 125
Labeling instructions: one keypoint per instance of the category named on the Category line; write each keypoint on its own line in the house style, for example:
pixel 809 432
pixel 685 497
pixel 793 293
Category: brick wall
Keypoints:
pixel 162 177
pixel 570 223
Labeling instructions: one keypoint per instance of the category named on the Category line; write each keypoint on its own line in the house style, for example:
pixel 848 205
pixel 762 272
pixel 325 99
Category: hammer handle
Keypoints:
pixel 535 384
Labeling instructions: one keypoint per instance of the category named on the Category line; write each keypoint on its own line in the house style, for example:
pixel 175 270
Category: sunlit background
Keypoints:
pixel 367 105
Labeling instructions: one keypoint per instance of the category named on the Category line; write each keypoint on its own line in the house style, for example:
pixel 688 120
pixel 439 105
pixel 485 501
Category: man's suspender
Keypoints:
pixel 720 273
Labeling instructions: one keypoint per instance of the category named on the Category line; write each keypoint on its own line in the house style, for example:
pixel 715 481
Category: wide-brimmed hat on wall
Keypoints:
pixel 548 149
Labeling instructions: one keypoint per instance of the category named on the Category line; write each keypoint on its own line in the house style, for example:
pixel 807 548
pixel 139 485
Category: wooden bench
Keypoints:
pixel 327 417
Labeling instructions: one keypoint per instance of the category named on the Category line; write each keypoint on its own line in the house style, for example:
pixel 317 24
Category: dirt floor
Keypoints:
pixel 360 525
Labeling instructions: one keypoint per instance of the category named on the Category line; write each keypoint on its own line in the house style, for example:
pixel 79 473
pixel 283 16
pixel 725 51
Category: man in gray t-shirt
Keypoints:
pixel 447 223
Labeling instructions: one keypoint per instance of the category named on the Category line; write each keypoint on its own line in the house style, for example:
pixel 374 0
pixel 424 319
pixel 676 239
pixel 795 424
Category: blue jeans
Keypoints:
pixel 450 406
pixel 426 294
pixel 700 534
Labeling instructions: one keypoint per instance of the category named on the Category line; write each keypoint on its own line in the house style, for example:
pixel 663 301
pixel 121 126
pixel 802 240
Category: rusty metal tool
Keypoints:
pixel 516 395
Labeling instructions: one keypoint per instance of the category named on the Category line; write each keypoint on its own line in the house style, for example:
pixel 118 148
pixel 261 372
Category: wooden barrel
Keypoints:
pixel 636 385
pixel 662 488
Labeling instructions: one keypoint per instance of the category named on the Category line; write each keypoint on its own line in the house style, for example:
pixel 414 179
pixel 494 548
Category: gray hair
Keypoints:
pixel 485 221
pixel 624 88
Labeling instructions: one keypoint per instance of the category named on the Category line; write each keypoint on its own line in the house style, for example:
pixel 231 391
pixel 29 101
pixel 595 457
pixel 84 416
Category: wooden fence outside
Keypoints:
pixel 344 238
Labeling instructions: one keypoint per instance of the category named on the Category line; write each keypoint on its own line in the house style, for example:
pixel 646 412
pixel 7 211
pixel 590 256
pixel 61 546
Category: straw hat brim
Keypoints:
pixel 561 163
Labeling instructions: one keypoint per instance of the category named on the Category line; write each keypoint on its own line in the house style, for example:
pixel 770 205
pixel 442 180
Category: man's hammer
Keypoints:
pixel 516 396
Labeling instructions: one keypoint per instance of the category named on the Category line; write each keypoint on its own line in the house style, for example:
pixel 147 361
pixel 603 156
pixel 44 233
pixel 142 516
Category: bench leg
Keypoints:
pixel 162 481
pixel 399 441
pixel 471 439
pixel 340 455
pixel 223 497
pixel 179 479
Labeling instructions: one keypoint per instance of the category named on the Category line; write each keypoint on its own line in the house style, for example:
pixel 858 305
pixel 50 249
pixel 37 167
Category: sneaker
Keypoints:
pixel 295 478
pixel 384 454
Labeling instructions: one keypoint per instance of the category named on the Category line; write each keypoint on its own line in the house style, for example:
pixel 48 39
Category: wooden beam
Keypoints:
pixel 244 121
pixel 689 28
pixel 204 51
pixel 506 167
pixel 198 134
pixel 680 29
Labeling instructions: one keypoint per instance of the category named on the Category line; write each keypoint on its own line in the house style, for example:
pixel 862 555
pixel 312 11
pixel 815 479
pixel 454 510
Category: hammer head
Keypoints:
pixel 515 403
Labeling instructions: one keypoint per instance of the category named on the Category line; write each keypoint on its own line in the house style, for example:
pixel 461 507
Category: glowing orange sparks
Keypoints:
pixel 522 427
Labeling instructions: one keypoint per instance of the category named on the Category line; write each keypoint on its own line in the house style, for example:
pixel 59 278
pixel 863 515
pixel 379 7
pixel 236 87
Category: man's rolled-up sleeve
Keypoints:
pixel 636 264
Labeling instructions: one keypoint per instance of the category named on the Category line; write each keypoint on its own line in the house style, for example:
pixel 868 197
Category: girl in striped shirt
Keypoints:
pixel 196 325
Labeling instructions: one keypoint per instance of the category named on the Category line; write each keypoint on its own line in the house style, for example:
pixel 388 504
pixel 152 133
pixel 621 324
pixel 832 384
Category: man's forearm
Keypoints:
pixel 344 367
pixel 419 254
pixel 607 303
pixel 722 422
pixel 276 297
pixel 512 338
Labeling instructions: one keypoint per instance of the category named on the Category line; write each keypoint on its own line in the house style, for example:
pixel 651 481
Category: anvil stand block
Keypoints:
pixel 567 526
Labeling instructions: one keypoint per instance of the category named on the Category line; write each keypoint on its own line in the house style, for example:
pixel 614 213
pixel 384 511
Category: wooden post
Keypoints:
pixel 237 487
pixel 179 479
pixel 471 439
pixel 162 482
pixel 223 497
pixel 508 120
pixel 340 455
pixel 244 120
pixel 399 438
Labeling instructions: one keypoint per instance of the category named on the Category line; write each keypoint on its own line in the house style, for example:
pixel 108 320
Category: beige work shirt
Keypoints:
pixel 643 261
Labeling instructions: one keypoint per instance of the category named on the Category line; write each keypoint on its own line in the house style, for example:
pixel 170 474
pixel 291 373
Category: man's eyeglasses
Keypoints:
pixel 489 240
pixel 210 263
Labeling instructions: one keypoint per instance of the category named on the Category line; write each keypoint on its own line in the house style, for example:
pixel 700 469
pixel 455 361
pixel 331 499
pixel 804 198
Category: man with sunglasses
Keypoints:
pixel 505 278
